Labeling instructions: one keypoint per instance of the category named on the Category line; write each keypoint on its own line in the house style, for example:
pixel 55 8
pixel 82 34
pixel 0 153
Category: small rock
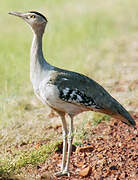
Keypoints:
pixel 100 149
pixel 37 146
pixel 84 149
pixel 85 172
pixel 79 164
pixel 100 156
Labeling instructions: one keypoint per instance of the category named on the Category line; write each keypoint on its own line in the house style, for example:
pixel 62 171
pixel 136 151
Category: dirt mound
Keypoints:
pixel 109 153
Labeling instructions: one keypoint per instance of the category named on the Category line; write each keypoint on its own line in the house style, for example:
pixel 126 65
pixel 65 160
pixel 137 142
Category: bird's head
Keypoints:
pixel 36 20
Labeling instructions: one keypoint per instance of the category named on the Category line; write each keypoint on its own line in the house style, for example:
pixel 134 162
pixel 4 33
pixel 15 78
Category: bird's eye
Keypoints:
pixel 32 16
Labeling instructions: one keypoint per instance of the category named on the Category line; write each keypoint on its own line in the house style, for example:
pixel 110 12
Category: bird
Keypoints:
pixel 64 91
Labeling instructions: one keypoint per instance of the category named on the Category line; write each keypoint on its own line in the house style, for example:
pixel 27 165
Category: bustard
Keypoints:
pixel 66 91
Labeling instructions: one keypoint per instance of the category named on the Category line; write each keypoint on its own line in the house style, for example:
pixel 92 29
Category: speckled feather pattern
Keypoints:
pixel 76 96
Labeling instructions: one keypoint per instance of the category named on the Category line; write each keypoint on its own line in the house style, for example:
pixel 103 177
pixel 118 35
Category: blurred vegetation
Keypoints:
pixel 94 37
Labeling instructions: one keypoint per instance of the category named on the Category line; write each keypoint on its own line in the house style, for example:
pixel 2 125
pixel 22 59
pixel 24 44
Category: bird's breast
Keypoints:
pixel 49 94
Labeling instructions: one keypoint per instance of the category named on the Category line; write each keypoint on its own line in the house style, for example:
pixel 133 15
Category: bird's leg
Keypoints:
pixel 70 139
pixel 65 131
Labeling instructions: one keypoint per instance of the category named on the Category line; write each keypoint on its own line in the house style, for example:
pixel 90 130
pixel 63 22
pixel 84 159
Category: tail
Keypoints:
pixel 124 115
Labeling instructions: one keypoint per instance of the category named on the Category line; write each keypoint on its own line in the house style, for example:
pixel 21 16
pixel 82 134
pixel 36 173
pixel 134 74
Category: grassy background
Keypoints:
pixel 94 37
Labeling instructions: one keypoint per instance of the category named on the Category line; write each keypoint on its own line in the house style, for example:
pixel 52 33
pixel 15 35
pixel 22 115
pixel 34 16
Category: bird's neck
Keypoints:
pixel 37 64
pixel 37 59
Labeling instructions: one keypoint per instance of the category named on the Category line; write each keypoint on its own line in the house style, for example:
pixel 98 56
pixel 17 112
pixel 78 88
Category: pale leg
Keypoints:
pixel 70 139
pixel 65 168
pixel 65 132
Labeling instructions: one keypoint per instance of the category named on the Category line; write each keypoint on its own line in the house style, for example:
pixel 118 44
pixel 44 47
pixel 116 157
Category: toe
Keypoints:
pixel 62 173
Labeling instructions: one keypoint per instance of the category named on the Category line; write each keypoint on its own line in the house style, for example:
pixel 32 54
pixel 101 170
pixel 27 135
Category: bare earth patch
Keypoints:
pixel 109 153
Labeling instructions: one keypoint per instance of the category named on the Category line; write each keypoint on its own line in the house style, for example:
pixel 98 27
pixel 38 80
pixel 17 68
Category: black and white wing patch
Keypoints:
pixel 77 97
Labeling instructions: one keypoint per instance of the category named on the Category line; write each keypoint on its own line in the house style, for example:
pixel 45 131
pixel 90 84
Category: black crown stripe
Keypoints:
pixel 35 12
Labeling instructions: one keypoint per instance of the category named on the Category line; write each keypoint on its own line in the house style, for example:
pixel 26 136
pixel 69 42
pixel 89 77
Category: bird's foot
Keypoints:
pixel 62 173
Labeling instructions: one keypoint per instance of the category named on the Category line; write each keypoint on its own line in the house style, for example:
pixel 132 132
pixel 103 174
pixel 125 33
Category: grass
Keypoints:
pixel 21 159
pixel 96 38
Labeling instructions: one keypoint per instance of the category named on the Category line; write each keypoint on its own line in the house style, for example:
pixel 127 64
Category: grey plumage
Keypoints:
pixel 94 95
pixel 66 91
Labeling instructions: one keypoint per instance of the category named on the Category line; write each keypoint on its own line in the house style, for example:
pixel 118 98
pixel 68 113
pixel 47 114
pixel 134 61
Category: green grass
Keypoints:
pixel 24 158
pixel 97 38
pixel 69 39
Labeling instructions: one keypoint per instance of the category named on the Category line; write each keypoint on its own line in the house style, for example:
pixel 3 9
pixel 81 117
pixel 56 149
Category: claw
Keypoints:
pixel 62 173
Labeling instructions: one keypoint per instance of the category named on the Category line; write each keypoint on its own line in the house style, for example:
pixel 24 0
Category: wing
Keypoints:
pixel 79 89
pixel 74 87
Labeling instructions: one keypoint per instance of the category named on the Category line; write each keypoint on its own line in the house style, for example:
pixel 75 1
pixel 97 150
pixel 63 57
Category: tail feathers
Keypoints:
pixel 125 116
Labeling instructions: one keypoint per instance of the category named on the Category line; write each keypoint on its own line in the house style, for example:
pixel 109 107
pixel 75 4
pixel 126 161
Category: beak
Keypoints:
pixel 22 15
